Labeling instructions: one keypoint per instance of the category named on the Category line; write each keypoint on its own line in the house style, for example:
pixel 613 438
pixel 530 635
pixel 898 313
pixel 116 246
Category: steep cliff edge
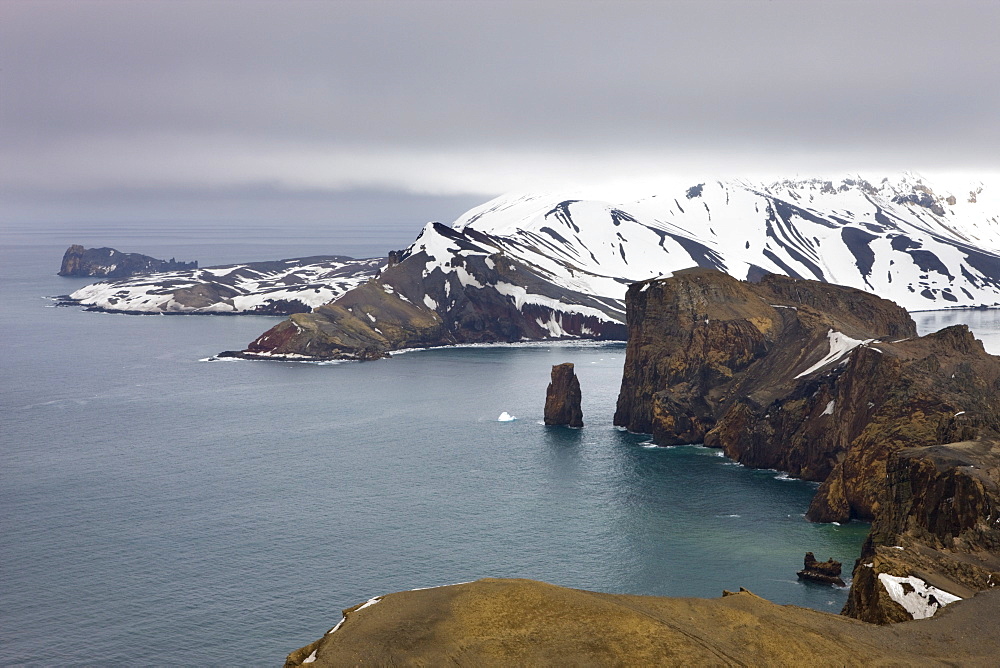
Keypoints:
pixel 830 384
pixel 523 622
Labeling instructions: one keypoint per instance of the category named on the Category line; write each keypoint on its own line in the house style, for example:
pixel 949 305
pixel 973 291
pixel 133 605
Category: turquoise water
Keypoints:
pixel 161 509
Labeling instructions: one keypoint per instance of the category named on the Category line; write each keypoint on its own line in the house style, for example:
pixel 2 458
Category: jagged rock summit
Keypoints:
pixel 832 384
pixel 556 265
pixel 562 397
pixel 111 263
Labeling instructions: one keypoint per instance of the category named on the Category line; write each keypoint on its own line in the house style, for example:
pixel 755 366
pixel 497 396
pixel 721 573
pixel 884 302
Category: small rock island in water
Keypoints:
pixel 562 398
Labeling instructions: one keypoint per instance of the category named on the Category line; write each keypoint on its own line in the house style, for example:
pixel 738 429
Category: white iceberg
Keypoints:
pixel 506 417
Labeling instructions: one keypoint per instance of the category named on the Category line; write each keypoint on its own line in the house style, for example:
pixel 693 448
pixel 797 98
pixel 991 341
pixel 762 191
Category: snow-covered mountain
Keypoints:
pixel 900 240
pixel 553 265
pixel 275 288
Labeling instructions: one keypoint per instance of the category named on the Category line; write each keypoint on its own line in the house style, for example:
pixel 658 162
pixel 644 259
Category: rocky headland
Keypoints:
pixel 523 622
pixel 111 263
pixel 832 384
pixel 563 397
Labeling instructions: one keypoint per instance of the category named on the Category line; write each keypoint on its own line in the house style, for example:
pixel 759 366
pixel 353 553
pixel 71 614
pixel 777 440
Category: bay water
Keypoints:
pixel 159 509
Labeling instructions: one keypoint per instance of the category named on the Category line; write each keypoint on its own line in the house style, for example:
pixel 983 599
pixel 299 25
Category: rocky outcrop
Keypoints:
pixel 110 263
pixel 526 623
pixel 562 397
pixel 826 572
pixel 821 381
pixel 829 384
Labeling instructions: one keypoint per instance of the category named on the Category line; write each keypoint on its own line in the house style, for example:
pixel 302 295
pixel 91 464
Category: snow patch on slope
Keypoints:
pixel 840 345
pixel 919 599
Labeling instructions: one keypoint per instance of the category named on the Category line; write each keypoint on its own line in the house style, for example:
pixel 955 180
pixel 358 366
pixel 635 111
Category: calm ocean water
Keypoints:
pixel 157 509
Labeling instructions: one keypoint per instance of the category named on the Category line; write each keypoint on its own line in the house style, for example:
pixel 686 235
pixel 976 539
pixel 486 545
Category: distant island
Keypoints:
pixel 279 287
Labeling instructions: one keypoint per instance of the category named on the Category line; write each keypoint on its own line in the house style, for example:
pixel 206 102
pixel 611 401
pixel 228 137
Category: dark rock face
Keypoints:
pixel 832 385
pixel 827 572
pixel 110 263
pixel 562 398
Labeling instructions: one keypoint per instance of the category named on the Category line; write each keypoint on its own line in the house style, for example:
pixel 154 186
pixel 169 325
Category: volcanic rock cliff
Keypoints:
pixel 110 263
pixel 830 384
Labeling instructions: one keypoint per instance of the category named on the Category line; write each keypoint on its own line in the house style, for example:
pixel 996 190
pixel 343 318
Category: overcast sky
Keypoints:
pixel 180 108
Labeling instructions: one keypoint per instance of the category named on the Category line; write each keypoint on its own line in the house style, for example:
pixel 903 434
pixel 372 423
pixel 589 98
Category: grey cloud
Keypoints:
pixel 906 83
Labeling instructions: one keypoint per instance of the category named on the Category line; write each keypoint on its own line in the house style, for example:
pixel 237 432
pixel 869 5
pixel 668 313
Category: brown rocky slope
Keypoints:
pixel 524 622
pixel 831 384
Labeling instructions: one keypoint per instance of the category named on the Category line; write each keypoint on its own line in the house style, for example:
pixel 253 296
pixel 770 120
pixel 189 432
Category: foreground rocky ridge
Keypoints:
pixel 556 265
pixel 832 384
pixel 523 622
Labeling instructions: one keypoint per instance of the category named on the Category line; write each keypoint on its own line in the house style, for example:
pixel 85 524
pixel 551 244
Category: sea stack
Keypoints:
pixel 562 399
pixel 827 572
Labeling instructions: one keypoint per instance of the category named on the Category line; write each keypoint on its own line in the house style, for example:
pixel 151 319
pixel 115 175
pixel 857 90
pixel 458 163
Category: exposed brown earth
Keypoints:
pixel 523 622
pixel 563 397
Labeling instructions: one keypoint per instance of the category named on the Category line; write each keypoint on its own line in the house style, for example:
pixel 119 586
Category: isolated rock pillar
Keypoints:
pixel 562 399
